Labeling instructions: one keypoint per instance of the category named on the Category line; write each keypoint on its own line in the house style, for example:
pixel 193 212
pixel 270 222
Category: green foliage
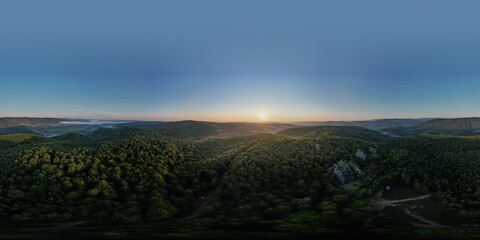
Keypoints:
pixel 280 177
pixel 454 126
pixel 269 181
pixel 252 178
pixel 17 137
pixel 445 165
pixel 93 183
pixel 336 131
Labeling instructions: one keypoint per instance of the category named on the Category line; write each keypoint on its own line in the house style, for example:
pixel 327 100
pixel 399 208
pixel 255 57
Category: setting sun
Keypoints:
pixel 262 116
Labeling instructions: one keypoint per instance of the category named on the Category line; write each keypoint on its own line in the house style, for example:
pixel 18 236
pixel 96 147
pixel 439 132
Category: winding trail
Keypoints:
pixel 380 203
pixel 395 202
pixel 428 223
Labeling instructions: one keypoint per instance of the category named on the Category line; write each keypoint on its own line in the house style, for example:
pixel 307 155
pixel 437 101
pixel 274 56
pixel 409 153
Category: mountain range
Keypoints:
pixel 395 127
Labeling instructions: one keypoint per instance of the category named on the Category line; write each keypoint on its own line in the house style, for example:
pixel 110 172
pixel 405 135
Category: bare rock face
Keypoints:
pixel 346 171
pixel 361 155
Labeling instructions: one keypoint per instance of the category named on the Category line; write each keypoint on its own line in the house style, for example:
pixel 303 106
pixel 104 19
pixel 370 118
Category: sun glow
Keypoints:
pixel 263 116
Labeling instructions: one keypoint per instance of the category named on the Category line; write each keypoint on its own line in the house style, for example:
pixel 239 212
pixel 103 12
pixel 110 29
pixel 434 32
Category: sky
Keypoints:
pixel 235 60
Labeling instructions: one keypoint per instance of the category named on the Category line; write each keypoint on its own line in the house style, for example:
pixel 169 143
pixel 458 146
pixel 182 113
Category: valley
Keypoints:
pixel 223 119
pixel 263 179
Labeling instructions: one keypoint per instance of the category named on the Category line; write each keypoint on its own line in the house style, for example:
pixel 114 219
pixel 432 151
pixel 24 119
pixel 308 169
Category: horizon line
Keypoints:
pixel 200 120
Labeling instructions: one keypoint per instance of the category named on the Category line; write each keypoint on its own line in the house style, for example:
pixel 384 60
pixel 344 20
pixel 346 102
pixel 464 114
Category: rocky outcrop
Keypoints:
pixel 361 155
pixel 346 171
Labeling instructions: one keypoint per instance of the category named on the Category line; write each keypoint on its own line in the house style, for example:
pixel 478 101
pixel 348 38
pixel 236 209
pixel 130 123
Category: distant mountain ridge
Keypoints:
pixel 371 124
pixel 198 129
pixel 450 126
pixel 354 132
pixel 51 127
pixel 8 122
pixel 452 123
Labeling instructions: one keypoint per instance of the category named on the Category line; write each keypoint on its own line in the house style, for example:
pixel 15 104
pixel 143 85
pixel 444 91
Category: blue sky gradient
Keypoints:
pixel 229 60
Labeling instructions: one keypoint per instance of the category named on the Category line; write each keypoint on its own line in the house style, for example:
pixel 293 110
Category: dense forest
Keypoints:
pixel 444 165
pixel 296 180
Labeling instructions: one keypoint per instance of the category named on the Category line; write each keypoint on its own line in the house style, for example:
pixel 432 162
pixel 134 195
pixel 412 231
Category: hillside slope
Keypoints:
pixel 200 129
pixel 335 131
pixel 371 124
pixel 453 126
pixel 9 122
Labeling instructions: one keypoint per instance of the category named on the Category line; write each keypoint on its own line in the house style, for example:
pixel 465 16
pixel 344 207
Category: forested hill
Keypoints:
pixel 335 131
pixel 311 180
pixel 52 127
pixel 266 178
pixel 370 124
pixel 191 129
pixel 212 128
pixel 452 124
pixel 9 122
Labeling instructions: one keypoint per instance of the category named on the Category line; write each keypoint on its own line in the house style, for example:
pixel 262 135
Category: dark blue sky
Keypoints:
pixel 230 60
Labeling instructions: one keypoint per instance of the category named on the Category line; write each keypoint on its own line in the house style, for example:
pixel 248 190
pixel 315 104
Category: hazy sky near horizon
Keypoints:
pixel 231 60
